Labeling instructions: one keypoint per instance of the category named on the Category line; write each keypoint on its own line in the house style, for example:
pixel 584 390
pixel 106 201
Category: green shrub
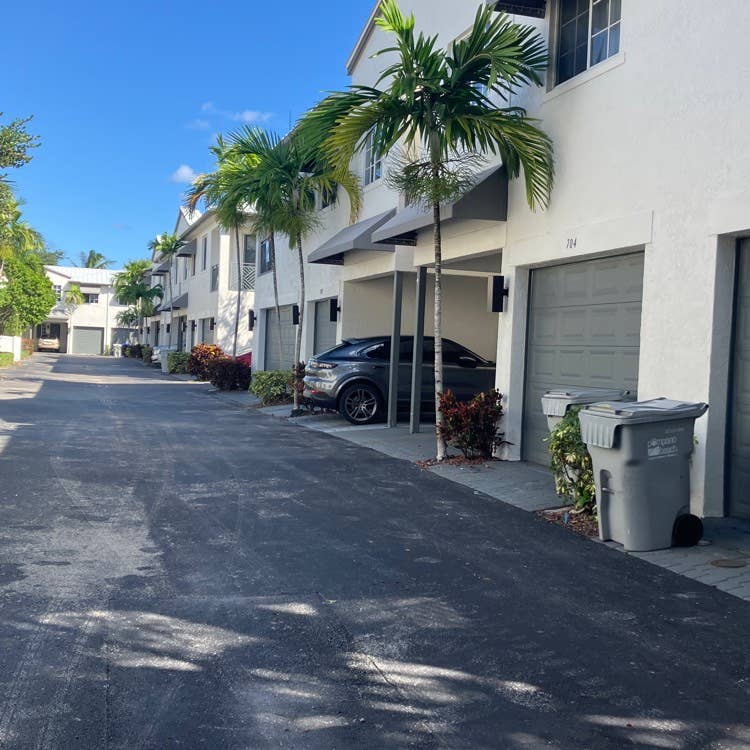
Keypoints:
pixel 271 386
pixel 571 463
pixel 472 426
pixel 229 375
pixel 177 362
pixel 6 359
pixel 200 358
pixel 146 353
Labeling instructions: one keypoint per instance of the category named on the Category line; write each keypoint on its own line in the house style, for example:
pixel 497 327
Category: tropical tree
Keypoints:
pixel 93 259
pixel 132 288
pixel 166 246
pixel 223 194
pixel 292 172
pixel 73 297
pixel 17 237
pixel 26 295
pixel 444 109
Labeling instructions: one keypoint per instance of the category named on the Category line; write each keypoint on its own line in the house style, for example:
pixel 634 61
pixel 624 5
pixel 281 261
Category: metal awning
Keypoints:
pixel 162 269
pixel 188 250
pixel 180 302
pixel 486 201
pixel 355 237
pixel 535 8
pixel 90 289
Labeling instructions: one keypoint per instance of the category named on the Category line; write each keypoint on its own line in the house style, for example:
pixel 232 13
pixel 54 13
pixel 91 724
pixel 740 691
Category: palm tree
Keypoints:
pixel 222 194
pixel 132 288
pixel 290 176
pixel 93 259
pixel 73 297
pixel 439 105
pixel 18 238
pixel 166 246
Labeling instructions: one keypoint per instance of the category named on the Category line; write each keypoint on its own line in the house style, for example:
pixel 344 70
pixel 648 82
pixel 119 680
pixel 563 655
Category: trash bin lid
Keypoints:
pixel 556 403
pixel 599 421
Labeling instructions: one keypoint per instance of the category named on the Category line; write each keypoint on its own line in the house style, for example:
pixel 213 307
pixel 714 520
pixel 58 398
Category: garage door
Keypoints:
pixel 739 431
pixel 325 330
pixel 584 331
pixel 88 340
pixel 288 332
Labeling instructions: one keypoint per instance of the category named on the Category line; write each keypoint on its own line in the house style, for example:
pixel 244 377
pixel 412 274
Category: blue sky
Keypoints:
pixel 124 94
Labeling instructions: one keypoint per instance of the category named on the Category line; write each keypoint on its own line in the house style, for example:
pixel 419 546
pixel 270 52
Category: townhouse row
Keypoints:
pixel 637 276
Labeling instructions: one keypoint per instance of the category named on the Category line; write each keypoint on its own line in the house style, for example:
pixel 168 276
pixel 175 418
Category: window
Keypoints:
pixel 214 278
pixel 57 289
pixel 266 261
pixel 91 299
pixel 185 268
pixel 588 33
pixel 204 253
pixel 249 250
pixel 379 351
pixel 327 198
pixel 373 162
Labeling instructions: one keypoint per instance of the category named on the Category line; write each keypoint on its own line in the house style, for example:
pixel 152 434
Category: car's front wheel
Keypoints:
pixel 360 403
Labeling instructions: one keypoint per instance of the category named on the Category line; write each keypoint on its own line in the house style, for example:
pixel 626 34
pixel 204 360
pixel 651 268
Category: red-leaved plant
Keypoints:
pixel 200 359
pixel 472 426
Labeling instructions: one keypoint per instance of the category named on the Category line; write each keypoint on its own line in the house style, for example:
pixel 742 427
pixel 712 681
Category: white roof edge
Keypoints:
pixel 363 39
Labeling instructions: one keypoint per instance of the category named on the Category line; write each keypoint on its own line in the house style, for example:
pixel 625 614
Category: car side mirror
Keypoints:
pixel 468 362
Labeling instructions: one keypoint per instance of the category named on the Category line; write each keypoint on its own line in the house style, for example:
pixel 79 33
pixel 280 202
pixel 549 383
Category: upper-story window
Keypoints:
pixel 373 162
pixel 327 198
pixel 91 299
pixel 185 268
pixel 588 33
pixel 248 253
pixel 266 261
pixel 57 289
pixel 204 253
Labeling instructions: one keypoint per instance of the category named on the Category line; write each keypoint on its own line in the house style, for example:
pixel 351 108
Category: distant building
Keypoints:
pixel 87 328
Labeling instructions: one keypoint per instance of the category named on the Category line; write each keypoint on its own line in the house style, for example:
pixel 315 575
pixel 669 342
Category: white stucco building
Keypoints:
pixel 88 328
pixel 204 287
pixel 636 275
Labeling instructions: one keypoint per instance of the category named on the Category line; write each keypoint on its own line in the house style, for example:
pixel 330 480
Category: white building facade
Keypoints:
pixel 636 276
pixel 205 287
pixel 92 326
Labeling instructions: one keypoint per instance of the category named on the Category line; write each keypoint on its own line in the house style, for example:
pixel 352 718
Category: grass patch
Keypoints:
pixel 6 359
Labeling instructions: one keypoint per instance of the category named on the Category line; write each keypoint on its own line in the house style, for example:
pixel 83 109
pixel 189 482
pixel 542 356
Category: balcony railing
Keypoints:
pixel 247 277
pixel 214 278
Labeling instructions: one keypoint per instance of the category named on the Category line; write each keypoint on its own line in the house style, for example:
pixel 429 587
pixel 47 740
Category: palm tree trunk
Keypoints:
pixel 239 292
pixel 171 307
pixel 438 329
pixel 272 247
pixel 298 341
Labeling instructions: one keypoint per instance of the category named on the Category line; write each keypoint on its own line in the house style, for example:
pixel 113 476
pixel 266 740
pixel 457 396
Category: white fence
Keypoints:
pixel 11 344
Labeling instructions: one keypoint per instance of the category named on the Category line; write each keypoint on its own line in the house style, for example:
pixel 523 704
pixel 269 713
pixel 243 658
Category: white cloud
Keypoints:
pixel 183 174
pixel 245 115
pixel 252 115
pixel 199 124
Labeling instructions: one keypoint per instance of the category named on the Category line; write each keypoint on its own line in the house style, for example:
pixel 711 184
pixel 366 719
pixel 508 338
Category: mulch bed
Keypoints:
pixel 579 523
pixel 454 461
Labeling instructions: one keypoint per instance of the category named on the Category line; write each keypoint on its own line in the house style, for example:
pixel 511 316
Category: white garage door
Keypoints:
pixel 584 332
pixel 283 359
pixel 325 328
pixel 88 340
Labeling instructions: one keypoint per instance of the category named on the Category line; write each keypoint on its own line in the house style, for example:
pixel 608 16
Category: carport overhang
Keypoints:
pixel 486 201
pixel 180 303
pixel 357 237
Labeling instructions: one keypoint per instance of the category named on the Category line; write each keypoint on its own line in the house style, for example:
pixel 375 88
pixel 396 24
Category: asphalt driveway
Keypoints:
pixel 178 572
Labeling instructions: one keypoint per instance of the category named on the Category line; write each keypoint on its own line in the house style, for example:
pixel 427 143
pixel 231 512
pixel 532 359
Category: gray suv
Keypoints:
pixel 353 376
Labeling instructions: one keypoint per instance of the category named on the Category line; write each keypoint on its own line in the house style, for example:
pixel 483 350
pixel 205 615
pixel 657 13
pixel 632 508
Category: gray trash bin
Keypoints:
pixel 641 459
pixel 555 404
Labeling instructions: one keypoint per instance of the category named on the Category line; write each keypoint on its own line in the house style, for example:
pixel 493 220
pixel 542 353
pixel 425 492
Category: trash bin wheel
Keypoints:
pixel 687 531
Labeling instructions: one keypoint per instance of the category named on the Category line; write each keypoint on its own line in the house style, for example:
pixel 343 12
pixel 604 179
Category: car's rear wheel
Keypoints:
pixel 361 403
